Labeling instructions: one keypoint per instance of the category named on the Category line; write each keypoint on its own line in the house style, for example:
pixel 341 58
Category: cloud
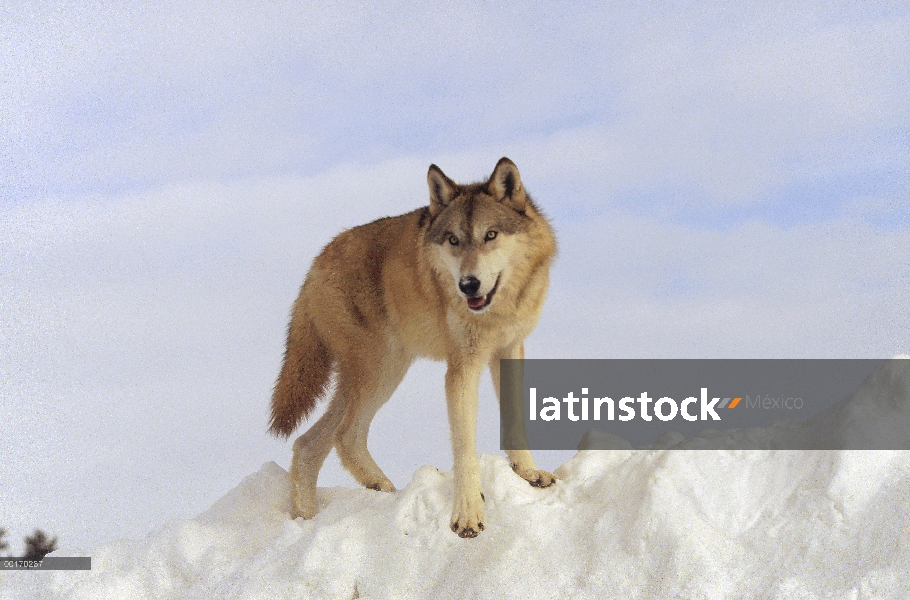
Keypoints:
pixel 654 289
pixel 729 103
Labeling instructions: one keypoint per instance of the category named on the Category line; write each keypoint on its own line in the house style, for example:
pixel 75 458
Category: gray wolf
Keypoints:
pixel 461 280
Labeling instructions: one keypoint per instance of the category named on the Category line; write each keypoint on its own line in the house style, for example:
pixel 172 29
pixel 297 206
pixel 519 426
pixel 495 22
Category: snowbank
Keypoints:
pixel 619 524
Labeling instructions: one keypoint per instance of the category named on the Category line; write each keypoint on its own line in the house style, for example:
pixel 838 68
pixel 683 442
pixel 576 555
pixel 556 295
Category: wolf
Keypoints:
pixel 462 280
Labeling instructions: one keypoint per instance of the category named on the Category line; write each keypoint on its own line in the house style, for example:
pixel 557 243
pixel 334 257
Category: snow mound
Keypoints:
pixel 619 524
pixel 622 524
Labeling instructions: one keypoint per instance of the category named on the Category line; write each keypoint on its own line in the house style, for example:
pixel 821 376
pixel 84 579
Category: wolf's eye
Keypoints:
pixel 453 240
pixel 491 235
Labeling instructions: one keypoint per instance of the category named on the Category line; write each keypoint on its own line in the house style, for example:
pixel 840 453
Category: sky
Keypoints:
pixel 725 180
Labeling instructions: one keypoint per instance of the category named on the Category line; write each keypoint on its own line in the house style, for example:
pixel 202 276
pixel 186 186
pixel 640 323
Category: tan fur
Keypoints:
pixel 383 294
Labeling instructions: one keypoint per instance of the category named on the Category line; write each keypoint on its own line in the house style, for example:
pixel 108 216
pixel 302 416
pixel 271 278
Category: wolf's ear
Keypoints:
pixel 505 185
pixel 442 189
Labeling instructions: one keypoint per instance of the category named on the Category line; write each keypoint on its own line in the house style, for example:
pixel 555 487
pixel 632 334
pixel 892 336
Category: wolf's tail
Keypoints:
pixel 304 376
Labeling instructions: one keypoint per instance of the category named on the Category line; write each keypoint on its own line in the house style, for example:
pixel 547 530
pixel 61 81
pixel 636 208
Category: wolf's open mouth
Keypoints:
pixel 481 302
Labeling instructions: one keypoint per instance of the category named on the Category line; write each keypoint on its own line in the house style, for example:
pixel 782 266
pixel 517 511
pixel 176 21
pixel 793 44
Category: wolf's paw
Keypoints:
pixel 381 486
pixel 467 528
pixel 535 477
pixel 307 510
pixel 468 517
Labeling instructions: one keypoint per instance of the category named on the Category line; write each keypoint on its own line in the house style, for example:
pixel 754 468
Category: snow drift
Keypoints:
pixel 619 524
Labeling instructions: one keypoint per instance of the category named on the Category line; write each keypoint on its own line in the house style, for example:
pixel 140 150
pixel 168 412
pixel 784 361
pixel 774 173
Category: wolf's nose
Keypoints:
pixel 469 285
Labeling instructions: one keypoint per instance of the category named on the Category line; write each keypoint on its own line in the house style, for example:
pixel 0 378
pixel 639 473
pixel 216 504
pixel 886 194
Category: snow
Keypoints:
pixel 619 524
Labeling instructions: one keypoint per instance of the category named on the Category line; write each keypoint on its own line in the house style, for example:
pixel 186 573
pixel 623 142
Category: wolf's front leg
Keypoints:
pixel 462 381
pixel 520 458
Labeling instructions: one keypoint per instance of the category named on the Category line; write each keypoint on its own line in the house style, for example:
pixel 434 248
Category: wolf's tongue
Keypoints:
pixel 476 302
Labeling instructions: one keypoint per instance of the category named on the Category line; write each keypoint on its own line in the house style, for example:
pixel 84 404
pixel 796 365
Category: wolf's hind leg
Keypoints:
pixel 374 387
pixel 310 451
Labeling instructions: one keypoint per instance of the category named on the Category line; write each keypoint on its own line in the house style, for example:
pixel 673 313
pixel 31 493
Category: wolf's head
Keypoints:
pixel 479 232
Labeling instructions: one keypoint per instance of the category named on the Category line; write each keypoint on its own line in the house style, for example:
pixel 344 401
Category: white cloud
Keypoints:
pixel 735 103
pixel 656 290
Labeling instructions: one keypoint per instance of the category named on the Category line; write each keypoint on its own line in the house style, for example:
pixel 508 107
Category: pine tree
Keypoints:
pixel 38 545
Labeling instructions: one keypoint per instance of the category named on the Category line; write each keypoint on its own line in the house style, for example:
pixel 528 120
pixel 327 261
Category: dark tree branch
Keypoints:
pixel 38 545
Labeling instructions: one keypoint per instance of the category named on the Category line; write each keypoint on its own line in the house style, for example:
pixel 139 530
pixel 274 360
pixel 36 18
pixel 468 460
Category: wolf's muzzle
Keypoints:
pixel 475 302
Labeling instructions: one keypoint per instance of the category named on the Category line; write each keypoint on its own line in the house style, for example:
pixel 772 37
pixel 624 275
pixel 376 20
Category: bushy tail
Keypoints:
pixel 303 379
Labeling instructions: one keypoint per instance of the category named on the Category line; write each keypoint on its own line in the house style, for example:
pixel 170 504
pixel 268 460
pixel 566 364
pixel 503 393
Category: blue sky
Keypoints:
pixel 726 181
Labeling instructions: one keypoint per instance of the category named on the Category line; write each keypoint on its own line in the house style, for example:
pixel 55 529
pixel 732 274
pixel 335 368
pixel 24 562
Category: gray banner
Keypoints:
pixel 48 563
pixel 705 404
